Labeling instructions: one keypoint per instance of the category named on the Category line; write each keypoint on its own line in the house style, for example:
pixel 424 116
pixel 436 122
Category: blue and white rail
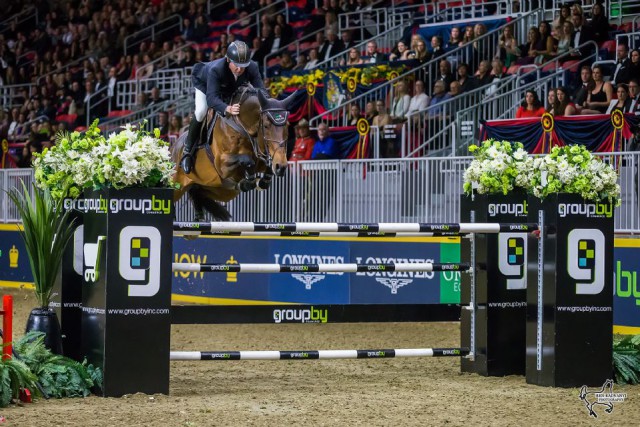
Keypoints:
pixel 318 268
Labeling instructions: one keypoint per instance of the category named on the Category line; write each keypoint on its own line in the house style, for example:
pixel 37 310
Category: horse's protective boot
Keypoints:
pixel 189 151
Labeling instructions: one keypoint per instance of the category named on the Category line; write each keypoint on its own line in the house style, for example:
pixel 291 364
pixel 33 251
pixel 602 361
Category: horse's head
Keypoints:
pixel 274 129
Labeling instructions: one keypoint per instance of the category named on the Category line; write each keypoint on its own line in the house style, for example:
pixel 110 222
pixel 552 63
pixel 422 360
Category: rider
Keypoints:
pixel 215 82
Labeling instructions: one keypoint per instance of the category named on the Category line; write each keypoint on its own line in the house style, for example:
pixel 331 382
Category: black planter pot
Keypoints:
pixel 45 320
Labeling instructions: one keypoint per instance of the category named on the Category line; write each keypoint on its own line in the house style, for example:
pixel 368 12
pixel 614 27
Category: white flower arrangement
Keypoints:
pixel 574 169
pixel 130 158
pixel 499 167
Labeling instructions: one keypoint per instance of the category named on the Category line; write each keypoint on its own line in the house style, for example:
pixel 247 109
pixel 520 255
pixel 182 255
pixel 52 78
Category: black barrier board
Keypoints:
pixel 501 281
pixel 66 298
pixel 570 335
pixel 126 296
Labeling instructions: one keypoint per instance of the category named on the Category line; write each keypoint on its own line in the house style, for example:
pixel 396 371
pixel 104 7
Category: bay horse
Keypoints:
pixel 238 154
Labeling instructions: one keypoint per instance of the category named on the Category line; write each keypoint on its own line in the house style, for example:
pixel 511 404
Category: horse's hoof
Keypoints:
pixel 247 185
pixel 264 184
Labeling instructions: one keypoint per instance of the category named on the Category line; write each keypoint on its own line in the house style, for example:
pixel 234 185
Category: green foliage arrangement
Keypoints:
pixel 46 230
pixel 58 376
pixel 626 359
pixel 498 167
pixel 573 169
pixel 132 157
pixel 14 377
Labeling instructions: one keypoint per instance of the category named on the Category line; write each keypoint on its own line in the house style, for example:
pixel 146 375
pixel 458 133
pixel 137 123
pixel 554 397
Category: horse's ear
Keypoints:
pixel 293 98
pixel 262 99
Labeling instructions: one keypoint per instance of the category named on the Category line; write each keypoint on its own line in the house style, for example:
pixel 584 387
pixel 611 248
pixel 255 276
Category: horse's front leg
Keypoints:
pixel 248 166
pixel 265 181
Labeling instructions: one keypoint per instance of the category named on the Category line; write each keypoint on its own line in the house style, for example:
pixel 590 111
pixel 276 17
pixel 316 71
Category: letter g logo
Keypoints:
pixel 139 259
pixel 585 260
pixel 512 257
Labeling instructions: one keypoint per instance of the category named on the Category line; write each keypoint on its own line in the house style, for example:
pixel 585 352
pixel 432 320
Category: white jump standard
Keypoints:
pixel 319 354
pixel 318 268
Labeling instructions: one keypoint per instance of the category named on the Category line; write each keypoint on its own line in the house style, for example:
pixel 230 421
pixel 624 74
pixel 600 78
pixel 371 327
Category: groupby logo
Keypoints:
pixel 602 396
pixel 512 257
pixel 590 210
pixel 308 279
pixel 585 260
pixel 517 209
pixel 139 259
pixel 393 283
pixel 310 315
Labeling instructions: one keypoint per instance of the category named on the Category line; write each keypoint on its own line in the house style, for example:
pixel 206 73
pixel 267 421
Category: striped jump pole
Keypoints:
pixel 318 268
pixel 336 227
pixel 319 354
pixel 372 234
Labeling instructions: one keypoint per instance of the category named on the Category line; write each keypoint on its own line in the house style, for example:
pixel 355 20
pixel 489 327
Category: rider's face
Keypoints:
pixel 235 69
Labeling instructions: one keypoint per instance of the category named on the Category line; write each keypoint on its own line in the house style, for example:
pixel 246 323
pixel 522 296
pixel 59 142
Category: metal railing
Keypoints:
pixel 163 62
pixel 150 33
pixel 64 68
pixel 398 190
pixel 97 101
pixel 29 12
pixel 170 83
pixel 9 93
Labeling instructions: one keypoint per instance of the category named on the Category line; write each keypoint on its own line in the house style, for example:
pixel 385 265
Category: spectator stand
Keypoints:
pixel 26 17
pixel 173 83
pixel 167 28
pixel 424 72
pixel 244 26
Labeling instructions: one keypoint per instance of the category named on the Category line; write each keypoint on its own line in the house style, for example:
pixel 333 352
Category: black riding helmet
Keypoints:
pixel 238 53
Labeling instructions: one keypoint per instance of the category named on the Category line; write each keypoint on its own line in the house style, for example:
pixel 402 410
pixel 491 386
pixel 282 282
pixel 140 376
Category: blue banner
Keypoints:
pixel 626 301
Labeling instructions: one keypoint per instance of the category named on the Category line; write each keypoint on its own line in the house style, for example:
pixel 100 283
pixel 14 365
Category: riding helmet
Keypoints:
pixel 238 53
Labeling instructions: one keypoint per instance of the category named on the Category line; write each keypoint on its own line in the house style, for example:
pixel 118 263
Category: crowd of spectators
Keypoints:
pixel 92 34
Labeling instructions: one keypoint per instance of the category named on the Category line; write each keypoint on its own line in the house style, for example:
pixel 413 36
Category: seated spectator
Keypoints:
pixel 497 75
pixel 175 125
pixel 552 102
pixel 155 97
pixel 599 98
pixel 445 74
pixel 373 56
pixel 419 100
pixel 347 39
pixel 480 46
pixel 370 112
pixel 483 75
pixel 284 67
pixel 564 106
pixel 564 34
pixel 634 69
pixel 455 89
pixel 437 50
pixel 599 23
pixel 332 45
pixel 563 16
pixel 582 34
pixel 303 146
pixel 508 50
pixel 383 118
pixel 353 58
pixel 400 52
pixel 439 96
pixel 530 107
pixel 622 72
pixel 163 124
pixel 354 115
pixel 420 53
pixel 624 102
pixel 325 146
pixel 400 102
pixel 546 46
pixel 468 36
pixel 467 83
pixel 586 86
pixel 528 50
pixel 301 62
pixel 454 38
pixel 313 59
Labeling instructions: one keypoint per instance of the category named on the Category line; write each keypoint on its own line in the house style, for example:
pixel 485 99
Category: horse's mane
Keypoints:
pixel 243 92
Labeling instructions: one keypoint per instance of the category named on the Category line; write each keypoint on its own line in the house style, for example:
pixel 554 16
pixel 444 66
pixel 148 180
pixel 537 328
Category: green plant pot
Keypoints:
pixel 45 320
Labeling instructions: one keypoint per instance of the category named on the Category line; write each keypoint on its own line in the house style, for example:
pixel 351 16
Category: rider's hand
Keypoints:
pixel 234 109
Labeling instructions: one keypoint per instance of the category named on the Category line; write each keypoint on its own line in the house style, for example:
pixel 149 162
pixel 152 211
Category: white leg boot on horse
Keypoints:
pixel 189 152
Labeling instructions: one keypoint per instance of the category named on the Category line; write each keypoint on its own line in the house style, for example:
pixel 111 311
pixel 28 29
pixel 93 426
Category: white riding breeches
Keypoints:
pixel 201 105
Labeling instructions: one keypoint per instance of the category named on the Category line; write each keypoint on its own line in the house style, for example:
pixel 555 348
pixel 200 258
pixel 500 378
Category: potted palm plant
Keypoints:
pixel 45 230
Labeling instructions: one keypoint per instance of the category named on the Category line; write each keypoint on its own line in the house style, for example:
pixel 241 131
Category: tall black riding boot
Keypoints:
pixel 188 153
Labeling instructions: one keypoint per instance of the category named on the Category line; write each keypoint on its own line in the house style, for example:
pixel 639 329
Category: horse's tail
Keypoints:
pixel 202 200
